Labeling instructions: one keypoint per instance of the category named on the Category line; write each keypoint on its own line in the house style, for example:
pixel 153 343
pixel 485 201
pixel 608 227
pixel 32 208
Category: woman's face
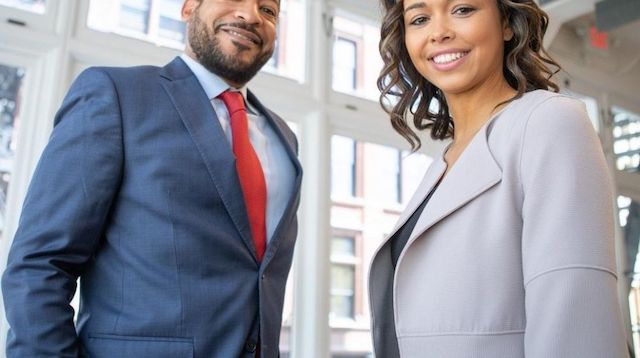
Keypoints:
pixel 456 45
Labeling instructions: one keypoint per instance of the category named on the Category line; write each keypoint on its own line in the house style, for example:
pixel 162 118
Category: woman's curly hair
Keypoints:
pixel 405 91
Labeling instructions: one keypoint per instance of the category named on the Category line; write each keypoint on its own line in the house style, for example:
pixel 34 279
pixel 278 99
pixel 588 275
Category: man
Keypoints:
pixel 172 196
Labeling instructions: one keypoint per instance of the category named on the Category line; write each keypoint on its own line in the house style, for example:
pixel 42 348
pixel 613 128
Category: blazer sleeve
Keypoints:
pixel 63 219
pixel 571 300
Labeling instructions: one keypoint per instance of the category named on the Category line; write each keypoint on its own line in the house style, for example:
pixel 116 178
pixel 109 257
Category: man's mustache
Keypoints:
pixel 242 26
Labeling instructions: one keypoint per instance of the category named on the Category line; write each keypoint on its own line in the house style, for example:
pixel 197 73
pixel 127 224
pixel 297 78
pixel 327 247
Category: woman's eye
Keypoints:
pixel 463 10
pixel 420 20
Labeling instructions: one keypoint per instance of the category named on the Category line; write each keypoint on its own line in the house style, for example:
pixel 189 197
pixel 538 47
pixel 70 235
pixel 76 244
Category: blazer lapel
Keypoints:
pixel 203 126
pixel 475 172
pixel 290 147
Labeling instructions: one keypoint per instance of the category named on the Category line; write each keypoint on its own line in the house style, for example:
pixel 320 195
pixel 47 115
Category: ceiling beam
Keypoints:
pixel 561 11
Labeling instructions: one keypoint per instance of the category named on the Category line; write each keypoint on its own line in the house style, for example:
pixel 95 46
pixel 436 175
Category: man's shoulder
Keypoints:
pixel 136 72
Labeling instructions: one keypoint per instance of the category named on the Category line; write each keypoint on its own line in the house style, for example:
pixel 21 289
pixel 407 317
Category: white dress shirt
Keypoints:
pixel 278 169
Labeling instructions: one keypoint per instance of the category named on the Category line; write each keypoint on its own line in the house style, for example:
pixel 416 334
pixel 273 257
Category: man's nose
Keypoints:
pixel 249 11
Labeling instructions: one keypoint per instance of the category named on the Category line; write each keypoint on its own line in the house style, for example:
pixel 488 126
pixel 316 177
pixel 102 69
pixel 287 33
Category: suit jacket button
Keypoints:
pixel 250 346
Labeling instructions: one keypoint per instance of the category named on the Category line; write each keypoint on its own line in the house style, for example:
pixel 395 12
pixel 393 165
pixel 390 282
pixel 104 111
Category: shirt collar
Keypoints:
pixel 212 84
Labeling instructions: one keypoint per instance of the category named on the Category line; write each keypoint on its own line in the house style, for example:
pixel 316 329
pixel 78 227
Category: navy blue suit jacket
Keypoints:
pixel 137 194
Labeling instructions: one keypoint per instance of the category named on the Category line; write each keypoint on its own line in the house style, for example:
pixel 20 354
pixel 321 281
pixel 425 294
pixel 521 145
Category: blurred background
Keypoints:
pixel 358 173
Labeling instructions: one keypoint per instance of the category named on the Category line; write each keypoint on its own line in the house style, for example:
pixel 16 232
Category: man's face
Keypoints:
pixel 231 38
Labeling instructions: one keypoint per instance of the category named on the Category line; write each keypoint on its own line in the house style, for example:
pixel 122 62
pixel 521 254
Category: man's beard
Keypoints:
pixel 207 49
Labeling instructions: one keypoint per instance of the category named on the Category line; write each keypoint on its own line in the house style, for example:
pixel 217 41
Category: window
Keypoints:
pixel 345 55
pixel 288 58
pixel 342 290
pixel 384 175
pixel 10 91
pixel 386 178
pixel 170 25
pixel 287 309
pixel 156 21
pixel 343 276
pixel 630 222
pixel 626 134
pixel 413 166
pixel 37 6
pixel 626 148
pixel 160 22
pixel 343 167
pixel 356 61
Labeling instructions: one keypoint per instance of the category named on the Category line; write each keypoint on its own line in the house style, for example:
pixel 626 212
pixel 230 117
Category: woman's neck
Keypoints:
pixel 472 109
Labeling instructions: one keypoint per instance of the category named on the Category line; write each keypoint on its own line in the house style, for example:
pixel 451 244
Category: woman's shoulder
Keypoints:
pixel 549 111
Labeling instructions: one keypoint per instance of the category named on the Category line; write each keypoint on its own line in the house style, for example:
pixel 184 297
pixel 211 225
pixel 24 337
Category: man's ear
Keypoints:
pixel 189 8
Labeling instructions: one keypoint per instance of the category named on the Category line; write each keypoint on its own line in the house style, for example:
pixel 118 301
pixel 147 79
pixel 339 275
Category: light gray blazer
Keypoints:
pixel 513 256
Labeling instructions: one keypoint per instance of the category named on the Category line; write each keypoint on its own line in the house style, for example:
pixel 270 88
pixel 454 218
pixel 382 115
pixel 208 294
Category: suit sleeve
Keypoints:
pixel 572 306
pixel 63 219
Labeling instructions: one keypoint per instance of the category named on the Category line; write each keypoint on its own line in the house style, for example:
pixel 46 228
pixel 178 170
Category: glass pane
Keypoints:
pixel 384 173
pixel 134 18
pixel 342 306
pixel 155 21
pixel 11 79
pixel 37 6
pixel 343 246
pixel 356 60
pixel 413 165
pixel 171 29
pixel 630 210
pixel 359 225
pixel 287 311
pixel 343 162
pixel 342 290
pixel 288 58
pixel 344 65
pixel 626 145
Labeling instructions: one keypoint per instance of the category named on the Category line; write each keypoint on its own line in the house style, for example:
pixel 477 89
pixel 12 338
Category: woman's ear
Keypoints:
pixel 507 32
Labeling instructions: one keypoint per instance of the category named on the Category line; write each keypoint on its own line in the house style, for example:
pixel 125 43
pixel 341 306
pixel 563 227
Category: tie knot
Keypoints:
pixel 233 100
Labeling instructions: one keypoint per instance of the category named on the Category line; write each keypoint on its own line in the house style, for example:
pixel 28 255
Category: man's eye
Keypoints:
pixel 269 11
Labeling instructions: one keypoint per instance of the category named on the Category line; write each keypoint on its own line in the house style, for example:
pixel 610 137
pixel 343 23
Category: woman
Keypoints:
pixel 506 249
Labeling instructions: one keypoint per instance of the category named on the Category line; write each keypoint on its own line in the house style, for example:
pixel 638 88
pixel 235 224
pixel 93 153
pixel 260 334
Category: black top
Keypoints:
pixel 389 340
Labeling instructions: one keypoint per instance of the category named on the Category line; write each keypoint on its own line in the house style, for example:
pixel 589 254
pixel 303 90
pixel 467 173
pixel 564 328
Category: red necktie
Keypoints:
pixel 252 180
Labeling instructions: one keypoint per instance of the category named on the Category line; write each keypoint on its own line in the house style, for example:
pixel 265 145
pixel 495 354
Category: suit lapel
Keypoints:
pixel 203 126
pixel 290 146
pixel 475 172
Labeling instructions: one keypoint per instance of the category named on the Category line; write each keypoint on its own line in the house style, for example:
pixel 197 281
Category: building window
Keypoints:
pixel 160 22
pixel 412 166
pixel 155 21
pixel 626 134
pixel 37 6
pixel 134 16
pixel 170 25
pixel 626 147
pixel 345 57
pixel 356 60
pixel 343 167
pixel 383 178
pixel 386 178
pixel 343 276
pixel 10 90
